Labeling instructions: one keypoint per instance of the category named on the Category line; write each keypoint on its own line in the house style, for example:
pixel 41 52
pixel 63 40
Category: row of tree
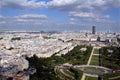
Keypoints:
pixel 111 57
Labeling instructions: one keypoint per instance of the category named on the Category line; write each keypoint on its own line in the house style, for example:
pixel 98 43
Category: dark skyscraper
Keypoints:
pixel 93 30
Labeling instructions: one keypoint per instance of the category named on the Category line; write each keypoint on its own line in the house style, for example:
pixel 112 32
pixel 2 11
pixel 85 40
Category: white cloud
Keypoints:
pixel 21 4
pixel 87 15
pixel 82 15
pixel 84 9
pixel 72 19
pixel 23 20
pixel 2 22
pixel 32 16
pixel 106 16
pixel 33 4
pixel 2 17
pixel 80 11
pixel 60 2
pixel 88 18
pixel 83 4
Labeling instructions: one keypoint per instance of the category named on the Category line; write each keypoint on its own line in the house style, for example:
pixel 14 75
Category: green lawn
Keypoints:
pixel 95 60
pixel 94 70
pixel 112 76
pixel 91 78
pixel 96 51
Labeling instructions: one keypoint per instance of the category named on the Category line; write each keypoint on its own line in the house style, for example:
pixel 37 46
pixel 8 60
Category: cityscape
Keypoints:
pixel 59 40
pixel 17 50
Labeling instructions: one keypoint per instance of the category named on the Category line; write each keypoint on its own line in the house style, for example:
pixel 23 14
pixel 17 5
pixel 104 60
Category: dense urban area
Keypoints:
pixel 59 39
pixel 83 55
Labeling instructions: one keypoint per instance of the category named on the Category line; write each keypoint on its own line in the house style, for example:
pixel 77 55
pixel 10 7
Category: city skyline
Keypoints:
pixel 60 15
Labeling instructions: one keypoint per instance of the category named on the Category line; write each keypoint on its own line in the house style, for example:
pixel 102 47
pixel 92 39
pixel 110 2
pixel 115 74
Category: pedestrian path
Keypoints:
pixel 90 57
pixel 88 63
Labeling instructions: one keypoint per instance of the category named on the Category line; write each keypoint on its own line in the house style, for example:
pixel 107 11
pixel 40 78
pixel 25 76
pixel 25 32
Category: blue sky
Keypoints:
pixel 60 15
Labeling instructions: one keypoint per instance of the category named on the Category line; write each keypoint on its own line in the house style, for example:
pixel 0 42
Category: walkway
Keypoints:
pixel 61 70
pixel 90 57
pixel 84 75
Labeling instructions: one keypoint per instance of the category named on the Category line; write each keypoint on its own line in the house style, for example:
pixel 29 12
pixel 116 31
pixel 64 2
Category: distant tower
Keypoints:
pixel 93 30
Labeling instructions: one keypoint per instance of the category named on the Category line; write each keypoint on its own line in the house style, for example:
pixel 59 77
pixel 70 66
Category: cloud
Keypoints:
pixel 60 3
pixel 2 17
pixel 65 5
pixel 23 20
pixel 87 12
pixel 2 22
pixel 87 16
pixel 35 5
pixel 68 5
pixel 22 4
pixel 32 16
pixel 84 10
pixel 83 15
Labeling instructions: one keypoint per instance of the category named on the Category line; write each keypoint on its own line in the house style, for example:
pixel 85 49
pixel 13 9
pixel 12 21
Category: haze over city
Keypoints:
pixel 59 15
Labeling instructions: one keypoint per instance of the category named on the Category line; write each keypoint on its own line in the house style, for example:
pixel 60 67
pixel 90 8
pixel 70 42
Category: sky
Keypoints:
pixel 60 15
